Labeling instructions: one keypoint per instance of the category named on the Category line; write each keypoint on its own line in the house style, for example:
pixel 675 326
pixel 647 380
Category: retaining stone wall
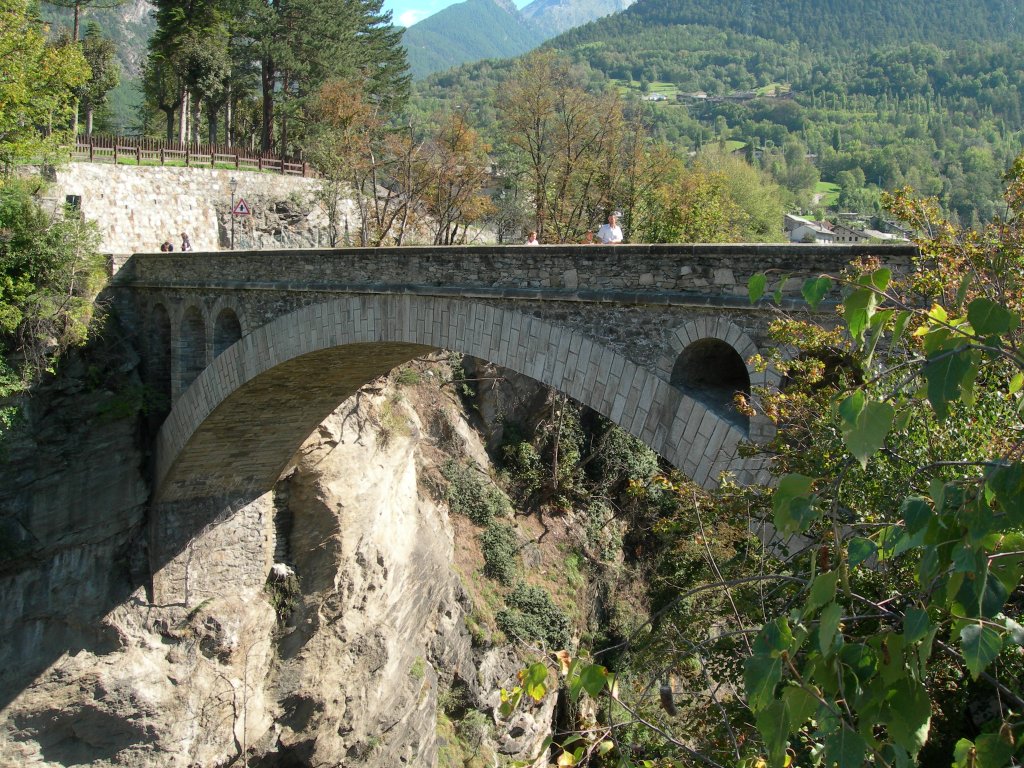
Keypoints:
pixel 137 208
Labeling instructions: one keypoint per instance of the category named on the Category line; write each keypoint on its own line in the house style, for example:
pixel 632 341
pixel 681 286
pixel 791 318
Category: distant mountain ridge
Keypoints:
pixel 468 31
pixel 489 29
pixel 128 24
pixel 561 15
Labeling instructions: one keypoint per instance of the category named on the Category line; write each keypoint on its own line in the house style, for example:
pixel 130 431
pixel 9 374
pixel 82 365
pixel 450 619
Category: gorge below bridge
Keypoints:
pixel 254 349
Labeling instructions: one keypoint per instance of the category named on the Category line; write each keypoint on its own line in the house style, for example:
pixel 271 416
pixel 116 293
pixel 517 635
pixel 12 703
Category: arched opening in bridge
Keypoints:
pixel 191 347
pixel 711 371
pixel 158 361
pixel 226 331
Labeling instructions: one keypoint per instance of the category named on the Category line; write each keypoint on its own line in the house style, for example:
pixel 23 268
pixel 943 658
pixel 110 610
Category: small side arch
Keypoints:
pixel 157 372
pixel 712 372
pixel 191 347
pixel 226 330
pixel 710 361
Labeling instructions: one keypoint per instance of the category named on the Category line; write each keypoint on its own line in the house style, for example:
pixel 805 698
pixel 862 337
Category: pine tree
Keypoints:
pixel 188 57
pixel 101 55
pixel 302 44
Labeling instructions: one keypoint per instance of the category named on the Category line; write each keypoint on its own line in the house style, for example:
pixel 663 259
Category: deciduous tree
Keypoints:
pixel 36 89
pixel 570 140
pixel 455 170
pixel 358 153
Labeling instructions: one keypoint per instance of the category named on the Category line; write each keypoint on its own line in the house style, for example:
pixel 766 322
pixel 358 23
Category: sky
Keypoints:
pixel 407 12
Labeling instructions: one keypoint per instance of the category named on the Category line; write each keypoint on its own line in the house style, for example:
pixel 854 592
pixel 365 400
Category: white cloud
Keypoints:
pixel 410 17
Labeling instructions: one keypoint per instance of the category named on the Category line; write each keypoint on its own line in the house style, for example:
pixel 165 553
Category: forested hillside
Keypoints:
pixel 865 96
pixel 835 24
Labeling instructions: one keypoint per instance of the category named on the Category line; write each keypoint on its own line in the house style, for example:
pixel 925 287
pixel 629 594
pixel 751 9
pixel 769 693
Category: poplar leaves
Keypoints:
pixel 857 694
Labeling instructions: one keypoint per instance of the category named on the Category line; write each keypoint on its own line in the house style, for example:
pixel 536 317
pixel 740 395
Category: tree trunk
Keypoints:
pixel 74 29
pixel 267 80
pixel 197 118
pixel 212 118
pixel 169 113
pixel 283 138
pixel 229 129
pixel 88 121
pixel 183 118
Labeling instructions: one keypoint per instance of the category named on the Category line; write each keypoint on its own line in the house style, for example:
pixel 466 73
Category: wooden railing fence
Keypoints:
pixel 148 151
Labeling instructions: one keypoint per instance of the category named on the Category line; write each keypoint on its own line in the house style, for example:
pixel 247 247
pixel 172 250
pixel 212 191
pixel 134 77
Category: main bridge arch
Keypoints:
pixel 231 433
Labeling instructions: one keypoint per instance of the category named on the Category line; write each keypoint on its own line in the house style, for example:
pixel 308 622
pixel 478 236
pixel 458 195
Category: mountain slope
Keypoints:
pixel 128 24
pixel 468 31
pixel 822 24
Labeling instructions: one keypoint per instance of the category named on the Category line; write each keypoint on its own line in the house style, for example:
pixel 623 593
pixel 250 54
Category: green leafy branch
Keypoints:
pixel 861 696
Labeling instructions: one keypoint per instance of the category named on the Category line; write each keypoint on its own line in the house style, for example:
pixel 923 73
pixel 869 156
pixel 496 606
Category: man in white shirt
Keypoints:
pixel 610 233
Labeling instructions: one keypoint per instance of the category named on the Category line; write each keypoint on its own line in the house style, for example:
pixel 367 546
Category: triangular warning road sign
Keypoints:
pixel 241 208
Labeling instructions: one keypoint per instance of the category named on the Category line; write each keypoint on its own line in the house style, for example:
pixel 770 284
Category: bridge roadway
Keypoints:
pixel 254 349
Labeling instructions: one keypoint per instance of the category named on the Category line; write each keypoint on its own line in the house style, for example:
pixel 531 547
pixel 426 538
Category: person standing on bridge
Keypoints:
pixel 186 244
pixel 531 239
pixel 610 233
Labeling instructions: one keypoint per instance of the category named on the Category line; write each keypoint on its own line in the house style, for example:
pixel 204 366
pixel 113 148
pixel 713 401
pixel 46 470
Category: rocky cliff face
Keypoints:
pixel 351 653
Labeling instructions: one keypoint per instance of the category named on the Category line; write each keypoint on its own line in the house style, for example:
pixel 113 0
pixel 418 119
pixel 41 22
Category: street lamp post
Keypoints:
pixel 233 184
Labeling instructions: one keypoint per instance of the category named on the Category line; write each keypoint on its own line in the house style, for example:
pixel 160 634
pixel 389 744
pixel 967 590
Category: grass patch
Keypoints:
pixel 460 742
pixel 393 422
pixel 668 90
pixel 573 572
pixel 407 376
pixel 486 598
pixel 773 89
pixel 828 191
pixel 418 668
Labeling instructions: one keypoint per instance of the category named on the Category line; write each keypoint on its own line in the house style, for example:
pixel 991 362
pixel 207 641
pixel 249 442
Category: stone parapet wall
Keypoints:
pixel 586 271
pixel 137 208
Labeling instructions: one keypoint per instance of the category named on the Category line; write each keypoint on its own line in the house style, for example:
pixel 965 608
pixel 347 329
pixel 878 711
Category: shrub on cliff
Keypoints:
pixel 471 495
pixel 50 272
pixel 501 551
pixel 532 616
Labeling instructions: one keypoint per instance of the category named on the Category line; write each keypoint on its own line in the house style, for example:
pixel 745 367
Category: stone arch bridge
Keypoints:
pixel 254 349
